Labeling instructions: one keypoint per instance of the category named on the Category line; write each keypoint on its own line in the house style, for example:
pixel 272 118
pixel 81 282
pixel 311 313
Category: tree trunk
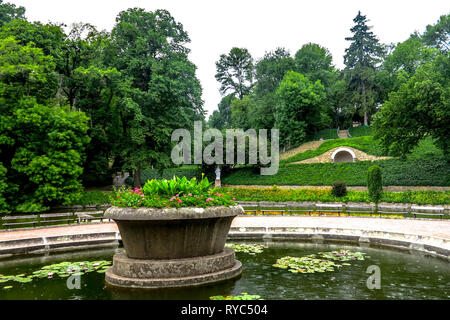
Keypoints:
pixel 137 176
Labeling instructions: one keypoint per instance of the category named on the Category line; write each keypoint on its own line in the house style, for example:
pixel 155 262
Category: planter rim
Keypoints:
pixel 147 213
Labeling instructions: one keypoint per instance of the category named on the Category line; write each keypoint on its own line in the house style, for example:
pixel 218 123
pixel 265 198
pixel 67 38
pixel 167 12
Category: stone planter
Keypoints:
pixel 170 247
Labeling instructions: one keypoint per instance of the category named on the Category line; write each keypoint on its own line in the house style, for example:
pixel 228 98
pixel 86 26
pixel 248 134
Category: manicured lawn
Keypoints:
pixel 360 131
pixel 326 134
pixel 366 144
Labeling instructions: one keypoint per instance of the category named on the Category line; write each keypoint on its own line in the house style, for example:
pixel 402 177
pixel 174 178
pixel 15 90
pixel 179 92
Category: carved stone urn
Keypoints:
pixel 173 247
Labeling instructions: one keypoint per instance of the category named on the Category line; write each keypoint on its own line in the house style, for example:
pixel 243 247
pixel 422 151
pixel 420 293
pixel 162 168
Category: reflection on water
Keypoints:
pixel 404 275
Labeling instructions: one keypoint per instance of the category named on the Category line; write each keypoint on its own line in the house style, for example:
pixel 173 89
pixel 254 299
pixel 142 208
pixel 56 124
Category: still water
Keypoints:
pixel 403 275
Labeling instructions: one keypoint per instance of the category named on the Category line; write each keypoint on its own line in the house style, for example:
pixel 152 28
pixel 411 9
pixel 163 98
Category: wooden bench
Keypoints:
pixel 56 218
pixel 323 207
pixel 89 216
pixel 18 221
pixel 430 211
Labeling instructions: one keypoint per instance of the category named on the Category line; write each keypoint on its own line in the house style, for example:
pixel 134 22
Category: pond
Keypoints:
pixel 403 275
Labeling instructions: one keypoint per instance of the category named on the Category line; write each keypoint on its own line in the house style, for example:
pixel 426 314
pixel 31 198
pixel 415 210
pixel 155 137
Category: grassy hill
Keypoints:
pixel 425 166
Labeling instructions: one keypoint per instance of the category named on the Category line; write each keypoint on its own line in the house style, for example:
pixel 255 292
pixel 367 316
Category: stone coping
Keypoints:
pixel 142 213
pixel 432 237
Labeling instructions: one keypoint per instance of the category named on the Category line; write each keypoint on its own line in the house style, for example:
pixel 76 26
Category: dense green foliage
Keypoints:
pixel 41 143
pixel 188 171
pixel 325 195
pixel 360 131
pixel 299 110
pixel 164 94
pixel 133 86
pixel 10 12
pixel 418 109
pixel 176 192
pixel 278 195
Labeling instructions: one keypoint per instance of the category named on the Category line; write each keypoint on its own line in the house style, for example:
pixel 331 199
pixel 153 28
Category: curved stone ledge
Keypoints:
pixel 142 269
pixel 190 281
pixel 428 244
pixel 43 244
pixel 184 213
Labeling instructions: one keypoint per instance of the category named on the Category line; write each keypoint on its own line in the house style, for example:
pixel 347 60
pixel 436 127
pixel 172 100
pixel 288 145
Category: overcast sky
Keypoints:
pixel 258 25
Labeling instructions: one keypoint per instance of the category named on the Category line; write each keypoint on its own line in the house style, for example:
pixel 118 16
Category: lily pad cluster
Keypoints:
pixel 62 270
pixel 243 296
pixel 321 262
pixel 342 255
pixel 251 249
pixel 306 264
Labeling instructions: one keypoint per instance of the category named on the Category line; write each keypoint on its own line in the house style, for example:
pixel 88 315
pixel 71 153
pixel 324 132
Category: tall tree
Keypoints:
pixel 438 35
pixel 315 62
pixel 361 60
pixel 419 108
pixel 148 48
pixel 9 11
pixel 41 143
pixel 269 71
pixel 221 118
pixel 235 72
pixel 299 109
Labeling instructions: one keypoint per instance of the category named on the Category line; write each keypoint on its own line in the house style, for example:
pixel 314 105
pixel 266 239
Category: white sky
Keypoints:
pixel 216 26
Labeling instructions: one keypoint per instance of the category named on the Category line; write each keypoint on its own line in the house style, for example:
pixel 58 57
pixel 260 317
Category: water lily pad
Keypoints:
pixel 251 249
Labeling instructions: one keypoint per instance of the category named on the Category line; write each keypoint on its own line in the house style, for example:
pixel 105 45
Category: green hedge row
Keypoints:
pixel 395 172
pixel 275 194
pixel 325 195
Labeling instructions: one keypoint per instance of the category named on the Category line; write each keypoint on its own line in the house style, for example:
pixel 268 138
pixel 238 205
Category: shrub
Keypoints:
pixel 374 185
pixel 339 189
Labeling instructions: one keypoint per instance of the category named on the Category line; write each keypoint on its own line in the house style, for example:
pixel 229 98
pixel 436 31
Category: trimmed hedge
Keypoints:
pixel 395 172
pixel 275 194
pixel 325 195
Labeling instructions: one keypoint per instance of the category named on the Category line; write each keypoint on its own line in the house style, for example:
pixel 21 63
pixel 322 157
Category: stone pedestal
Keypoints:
pixel 186 272
pixel 173 247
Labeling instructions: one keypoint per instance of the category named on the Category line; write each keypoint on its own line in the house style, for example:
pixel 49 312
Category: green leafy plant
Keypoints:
pixel 176 192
